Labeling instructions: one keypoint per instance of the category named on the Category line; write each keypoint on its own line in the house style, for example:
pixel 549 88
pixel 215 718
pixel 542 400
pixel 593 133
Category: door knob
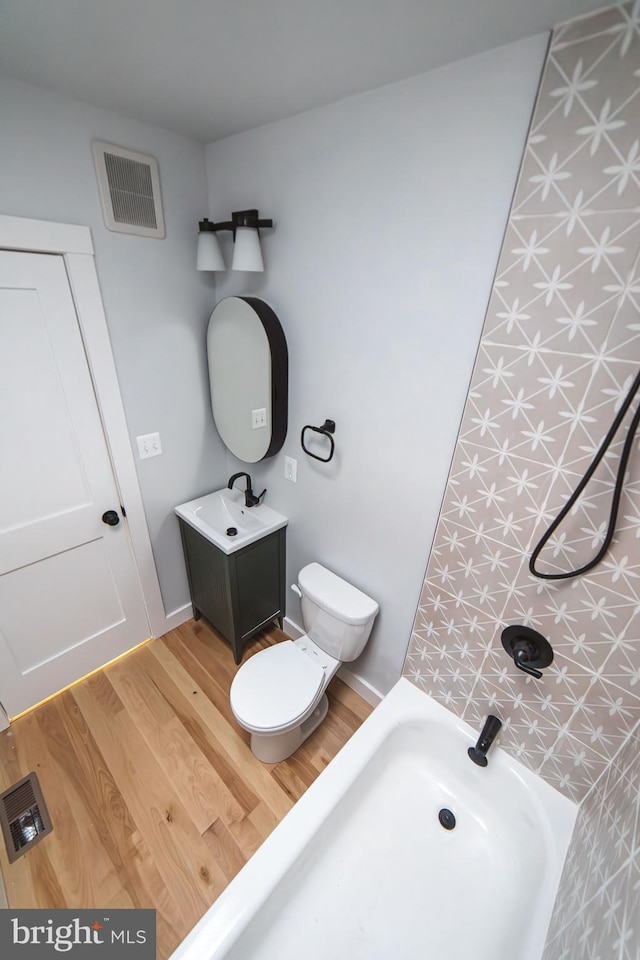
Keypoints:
pixel 111 518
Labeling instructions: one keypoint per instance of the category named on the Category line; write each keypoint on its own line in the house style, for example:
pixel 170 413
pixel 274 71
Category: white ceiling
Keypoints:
pixel 210 68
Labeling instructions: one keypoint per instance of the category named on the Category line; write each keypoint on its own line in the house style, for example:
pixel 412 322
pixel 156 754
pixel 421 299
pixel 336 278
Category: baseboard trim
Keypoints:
pixel 176 617
pixel 361 686
pixel 357 683
pixel 291 628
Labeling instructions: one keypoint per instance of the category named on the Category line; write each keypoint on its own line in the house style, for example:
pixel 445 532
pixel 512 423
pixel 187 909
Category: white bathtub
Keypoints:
pixel 361 868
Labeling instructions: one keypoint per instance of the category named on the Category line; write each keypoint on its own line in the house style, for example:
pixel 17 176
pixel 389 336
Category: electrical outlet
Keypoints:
pixel 291 469
pixel 149 445
pixel 259 418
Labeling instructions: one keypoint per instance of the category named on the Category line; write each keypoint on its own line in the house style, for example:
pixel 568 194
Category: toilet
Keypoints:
pixel 278 695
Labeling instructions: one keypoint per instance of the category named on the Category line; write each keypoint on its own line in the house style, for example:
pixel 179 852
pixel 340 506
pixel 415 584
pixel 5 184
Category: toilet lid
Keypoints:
pixel 275 687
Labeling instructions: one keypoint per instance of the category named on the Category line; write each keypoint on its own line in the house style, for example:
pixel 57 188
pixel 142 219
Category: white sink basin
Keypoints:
pixel 218 513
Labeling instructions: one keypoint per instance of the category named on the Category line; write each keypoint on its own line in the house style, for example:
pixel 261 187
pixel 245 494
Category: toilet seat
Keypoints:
pixel 275 688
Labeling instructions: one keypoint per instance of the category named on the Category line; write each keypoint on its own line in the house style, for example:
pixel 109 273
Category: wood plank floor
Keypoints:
pixel 155 797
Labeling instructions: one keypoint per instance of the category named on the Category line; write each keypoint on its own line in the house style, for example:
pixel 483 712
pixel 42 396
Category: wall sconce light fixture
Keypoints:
pixel 247 254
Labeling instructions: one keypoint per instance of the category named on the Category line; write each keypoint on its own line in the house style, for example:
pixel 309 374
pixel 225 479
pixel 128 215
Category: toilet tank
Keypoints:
pixel 336 616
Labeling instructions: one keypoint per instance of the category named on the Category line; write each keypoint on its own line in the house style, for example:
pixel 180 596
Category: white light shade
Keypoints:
pixel 247 254
pixel 209 252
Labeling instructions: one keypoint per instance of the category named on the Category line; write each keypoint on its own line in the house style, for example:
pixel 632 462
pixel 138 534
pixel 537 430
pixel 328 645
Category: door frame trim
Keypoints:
pixel 73 242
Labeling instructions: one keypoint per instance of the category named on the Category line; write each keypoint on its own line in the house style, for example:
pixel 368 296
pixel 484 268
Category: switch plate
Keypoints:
pixel 149 446
pixel 259 418
pixel 291 469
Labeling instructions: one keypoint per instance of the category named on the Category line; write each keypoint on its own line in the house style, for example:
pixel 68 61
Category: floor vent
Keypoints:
pixel 23 816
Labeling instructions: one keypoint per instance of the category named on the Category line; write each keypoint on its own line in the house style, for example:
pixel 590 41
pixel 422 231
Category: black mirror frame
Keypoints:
pixel 279 373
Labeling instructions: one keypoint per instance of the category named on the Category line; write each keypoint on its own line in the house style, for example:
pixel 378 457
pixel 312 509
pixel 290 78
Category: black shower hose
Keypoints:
pixel 617 492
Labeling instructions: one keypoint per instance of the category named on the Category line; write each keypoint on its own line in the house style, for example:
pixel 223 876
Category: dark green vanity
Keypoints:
pixel 239 593
pixel 234 543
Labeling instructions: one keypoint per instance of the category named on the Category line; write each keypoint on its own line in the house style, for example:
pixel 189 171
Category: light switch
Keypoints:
pixel 149 445
pixel 259 418
pixel 291 469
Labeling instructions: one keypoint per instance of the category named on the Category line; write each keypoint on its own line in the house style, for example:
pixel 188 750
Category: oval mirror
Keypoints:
pixel 248 375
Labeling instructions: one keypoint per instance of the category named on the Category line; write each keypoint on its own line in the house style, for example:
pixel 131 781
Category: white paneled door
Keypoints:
pixel 70 596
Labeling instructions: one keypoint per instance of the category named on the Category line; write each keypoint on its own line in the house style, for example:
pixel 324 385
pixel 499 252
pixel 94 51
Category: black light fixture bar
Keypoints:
pixel 239 218
pixel 249 218
pixel 208 226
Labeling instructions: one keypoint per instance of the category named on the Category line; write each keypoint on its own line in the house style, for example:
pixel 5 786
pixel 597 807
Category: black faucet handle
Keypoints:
pixel 521 659
pixel 529 649
pixel 252 500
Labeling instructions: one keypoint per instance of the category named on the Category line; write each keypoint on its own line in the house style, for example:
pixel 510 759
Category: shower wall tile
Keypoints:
pixel 597 910
pixel 613 21
pixel 559 350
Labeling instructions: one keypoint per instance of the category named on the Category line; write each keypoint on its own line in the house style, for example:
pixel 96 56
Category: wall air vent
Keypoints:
pixel 129 185
pixel 23 816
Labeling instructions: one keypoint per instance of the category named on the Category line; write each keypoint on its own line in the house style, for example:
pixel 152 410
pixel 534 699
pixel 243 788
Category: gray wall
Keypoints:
pixel 389 209
pixel 157 305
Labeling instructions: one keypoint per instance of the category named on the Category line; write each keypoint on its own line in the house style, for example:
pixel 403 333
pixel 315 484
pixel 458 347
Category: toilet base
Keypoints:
pixel 272 748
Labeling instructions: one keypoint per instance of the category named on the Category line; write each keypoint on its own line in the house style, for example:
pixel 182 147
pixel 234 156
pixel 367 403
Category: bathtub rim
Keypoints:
pixel 224 921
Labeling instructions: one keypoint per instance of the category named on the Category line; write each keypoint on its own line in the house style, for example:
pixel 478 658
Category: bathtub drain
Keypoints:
pixel 447 819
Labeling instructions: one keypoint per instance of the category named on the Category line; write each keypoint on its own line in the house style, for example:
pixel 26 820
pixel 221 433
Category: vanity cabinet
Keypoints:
pixel 238 593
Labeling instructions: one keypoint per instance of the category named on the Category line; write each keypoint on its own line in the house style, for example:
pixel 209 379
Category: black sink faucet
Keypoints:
pixel 250 499
pixel 489 732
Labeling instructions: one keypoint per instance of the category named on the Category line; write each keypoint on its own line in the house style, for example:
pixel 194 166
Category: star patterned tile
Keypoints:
pixel 597 910
pixel 559 351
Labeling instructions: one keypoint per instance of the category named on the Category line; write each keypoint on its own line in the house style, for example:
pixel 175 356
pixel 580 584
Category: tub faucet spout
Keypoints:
pixel 489 732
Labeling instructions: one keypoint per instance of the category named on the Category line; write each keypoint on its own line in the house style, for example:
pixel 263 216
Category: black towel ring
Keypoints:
pixel 327 429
